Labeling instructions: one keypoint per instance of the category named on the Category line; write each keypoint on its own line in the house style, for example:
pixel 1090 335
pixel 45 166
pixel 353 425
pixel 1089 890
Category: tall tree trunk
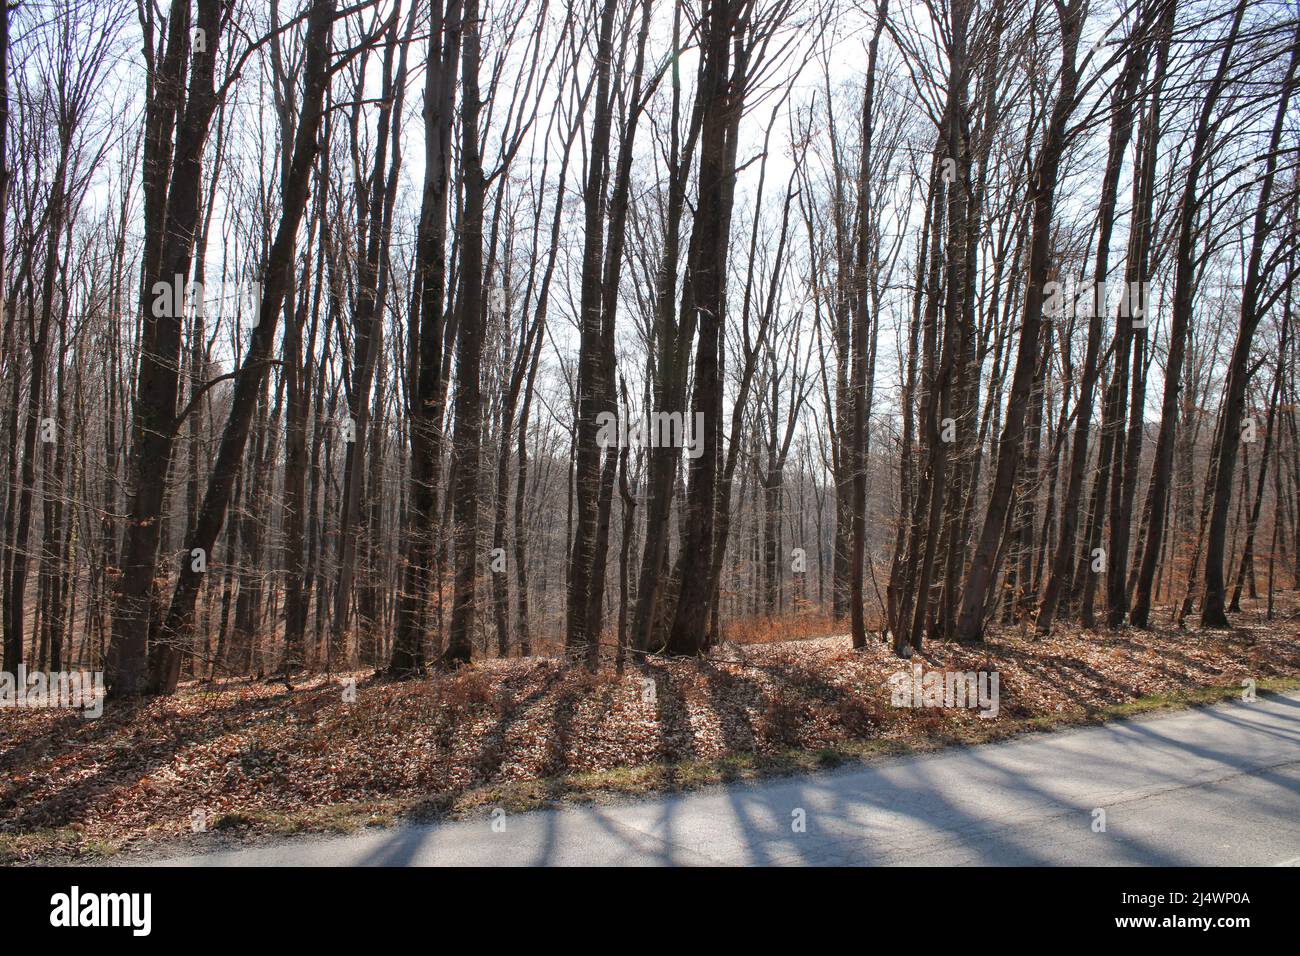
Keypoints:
pixel 468 403
pixel 1234 403
pixel 591 367
pixel 428 329
pixel 1042 197
pixel 708 266
pixel 864 328
pixel 172 206
pixel 178 627
pixel 1121 130
pixel 1184 269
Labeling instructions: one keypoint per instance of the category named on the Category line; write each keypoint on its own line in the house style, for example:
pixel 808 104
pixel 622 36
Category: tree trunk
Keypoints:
pixel 979 579
pixel 1212 609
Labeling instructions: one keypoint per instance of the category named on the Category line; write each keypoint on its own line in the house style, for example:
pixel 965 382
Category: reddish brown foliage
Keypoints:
pixel 259 748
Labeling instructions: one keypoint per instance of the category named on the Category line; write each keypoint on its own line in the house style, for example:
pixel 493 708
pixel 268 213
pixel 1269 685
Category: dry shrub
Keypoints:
pixel 784 718
pixel 585 681
pixel 858 717
pixel 788 627
pixel 468 689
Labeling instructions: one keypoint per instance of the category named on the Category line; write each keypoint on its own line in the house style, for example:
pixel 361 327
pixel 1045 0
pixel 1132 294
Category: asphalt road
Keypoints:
pixel 1214 786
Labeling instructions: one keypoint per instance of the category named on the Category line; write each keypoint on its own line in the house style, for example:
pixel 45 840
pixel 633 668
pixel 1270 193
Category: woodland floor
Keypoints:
pixel 257 758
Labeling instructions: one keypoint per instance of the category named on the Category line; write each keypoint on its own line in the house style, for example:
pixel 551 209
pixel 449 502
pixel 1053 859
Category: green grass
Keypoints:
pixel 60 840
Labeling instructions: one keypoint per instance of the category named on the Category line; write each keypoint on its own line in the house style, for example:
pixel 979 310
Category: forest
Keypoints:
pixel 401 335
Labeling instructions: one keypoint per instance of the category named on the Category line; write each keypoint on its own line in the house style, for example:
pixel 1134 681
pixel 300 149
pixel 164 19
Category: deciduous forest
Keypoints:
pixel 400 338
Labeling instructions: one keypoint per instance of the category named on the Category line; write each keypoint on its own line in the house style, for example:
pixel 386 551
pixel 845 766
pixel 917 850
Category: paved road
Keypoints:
pixel 1216 786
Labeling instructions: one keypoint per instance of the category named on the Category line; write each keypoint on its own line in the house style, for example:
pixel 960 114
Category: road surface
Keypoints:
pixel 1213 786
